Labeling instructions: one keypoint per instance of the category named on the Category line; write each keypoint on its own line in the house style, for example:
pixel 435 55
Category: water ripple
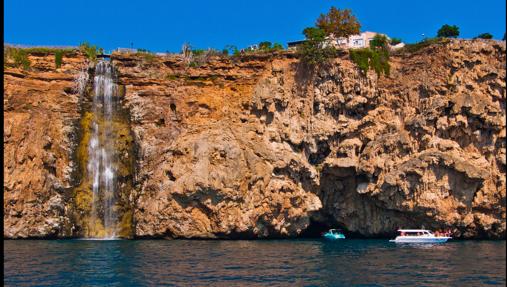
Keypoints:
pixel 252 263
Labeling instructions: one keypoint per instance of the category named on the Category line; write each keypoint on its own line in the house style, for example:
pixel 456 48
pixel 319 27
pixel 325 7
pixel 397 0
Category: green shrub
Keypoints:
pixel 198 52
pixel 231 50
pixel 314 54
pixel 89 51
pixel 277 47
pixel 141 50
pixel 380 62
pixel 47 51
pixel 313 51
pixel 412 48
pixel 20 58
pixel 337 23
pixel 314 34
pixel 485 36
pixel 20 55
pixel 361 57
pixel 379 41
pixel 448 31
pixel 266 45
pixel 376 59
pixel 395 41
pixel 58 58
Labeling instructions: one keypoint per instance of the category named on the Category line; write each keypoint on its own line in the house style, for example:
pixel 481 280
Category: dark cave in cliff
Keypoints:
pixel 315 229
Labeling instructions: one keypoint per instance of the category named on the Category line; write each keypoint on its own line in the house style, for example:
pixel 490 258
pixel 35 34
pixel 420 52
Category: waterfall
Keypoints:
pixel 102 156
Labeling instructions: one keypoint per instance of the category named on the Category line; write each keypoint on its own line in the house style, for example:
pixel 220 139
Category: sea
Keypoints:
pixel 295 262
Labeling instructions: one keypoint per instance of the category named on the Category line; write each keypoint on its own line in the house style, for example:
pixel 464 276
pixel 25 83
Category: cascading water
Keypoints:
pixel 103 197
pixel 101 152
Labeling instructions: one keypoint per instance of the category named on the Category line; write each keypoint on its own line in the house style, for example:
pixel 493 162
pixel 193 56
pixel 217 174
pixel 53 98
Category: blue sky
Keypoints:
pixel 166 25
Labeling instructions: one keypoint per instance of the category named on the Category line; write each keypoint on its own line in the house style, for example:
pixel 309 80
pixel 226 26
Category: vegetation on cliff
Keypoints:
pixel 18 57
pixel 375 57
pixel 484 36
pixel 448 31
pixel 338 23
pixel 313 51
pixel 58 58
pixel 374 150
pixel 335 24
pixel 90 51
pixel 412 48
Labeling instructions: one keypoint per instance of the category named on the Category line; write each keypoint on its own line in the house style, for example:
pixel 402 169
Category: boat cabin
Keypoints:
pixel 415 232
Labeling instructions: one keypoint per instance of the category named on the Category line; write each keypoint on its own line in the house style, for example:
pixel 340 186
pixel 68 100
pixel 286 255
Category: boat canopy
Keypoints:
pixel 413 230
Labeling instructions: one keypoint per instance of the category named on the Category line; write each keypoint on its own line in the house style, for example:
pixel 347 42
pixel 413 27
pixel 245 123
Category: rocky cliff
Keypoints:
pixel 41 112
pixel 262 146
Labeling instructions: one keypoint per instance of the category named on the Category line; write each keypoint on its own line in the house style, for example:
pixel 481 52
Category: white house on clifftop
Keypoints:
pixel 352 42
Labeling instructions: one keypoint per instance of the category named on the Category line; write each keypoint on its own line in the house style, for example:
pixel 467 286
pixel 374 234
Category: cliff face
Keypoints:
pixel 262 146
pixel 40 115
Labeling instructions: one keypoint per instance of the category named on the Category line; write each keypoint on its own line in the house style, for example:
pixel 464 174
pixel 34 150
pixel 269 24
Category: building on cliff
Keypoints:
pixel 126 50
pixel 352 42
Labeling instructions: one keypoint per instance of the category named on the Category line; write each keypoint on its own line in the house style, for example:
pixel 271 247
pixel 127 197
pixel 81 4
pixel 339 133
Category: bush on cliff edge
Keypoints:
pixel 314 51
pixel 367 58
pixel 58 59
pixel 89 50
pixel 18 55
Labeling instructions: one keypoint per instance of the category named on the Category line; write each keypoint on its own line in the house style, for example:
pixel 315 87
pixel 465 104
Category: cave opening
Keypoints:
pixel 323 150
pixel 315 229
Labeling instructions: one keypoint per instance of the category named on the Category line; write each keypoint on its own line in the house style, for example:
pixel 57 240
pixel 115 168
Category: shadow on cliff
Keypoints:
pixel 304 77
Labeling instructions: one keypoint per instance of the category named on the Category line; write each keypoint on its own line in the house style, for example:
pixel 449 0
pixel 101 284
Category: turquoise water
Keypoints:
pixel 252 263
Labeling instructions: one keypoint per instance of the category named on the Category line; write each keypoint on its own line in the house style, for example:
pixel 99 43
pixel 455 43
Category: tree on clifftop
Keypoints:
pixel 336 23
pixel 313 51
pixel 485 36
pixel 447 31
pixel 339 23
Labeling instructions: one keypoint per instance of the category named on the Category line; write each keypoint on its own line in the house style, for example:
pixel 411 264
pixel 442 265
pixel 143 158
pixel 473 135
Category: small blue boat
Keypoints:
pixel 334 234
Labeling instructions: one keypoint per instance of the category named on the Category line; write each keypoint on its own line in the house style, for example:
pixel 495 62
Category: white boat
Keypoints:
pixel 418 236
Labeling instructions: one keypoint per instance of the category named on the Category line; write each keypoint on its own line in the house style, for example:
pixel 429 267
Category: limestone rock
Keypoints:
pixel 261 146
